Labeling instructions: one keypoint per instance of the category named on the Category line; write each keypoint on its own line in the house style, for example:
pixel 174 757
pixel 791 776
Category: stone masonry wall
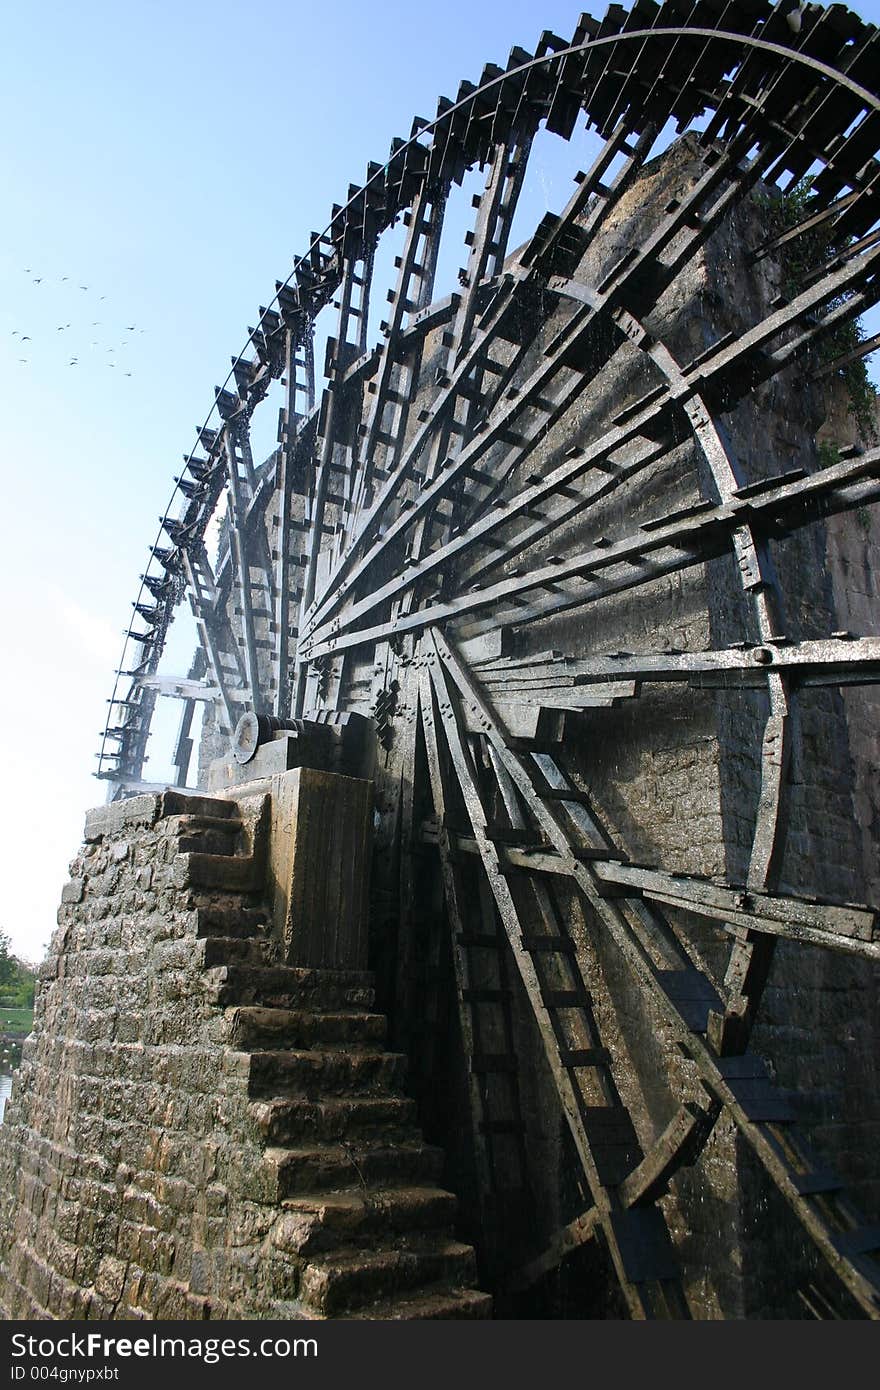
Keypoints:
pixel 131 1172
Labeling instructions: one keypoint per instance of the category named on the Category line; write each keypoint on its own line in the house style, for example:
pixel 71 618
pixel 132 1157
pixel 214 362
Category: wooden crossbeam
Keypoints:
pixel 179 687
pixel 679 1144
pixel 415 281
pixel 488 242
pixel 842 659
pixel 353 285
pixel 853 930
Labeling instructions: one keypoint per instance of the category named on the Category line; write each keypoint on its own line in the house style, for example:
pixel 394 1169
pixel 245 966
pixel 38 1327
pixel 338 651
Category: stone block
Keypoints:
pixel 318 867
pixel 201 1268
pixel 273 758
pixel 110 1279
pixel 105 821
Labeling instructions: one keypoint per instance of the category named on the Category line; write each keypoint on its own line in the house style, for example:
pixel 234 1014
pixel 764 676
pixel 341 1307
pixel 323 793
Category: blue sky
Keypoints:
pixel 170 158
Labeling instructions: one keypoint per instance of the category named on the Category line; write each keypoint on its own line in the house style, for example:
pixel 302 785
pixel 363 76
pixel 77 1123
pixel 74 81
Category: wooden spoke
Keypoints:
pixel 240 490
pixel 221 649
pixel 299 369
pixel 663 549
pixel 603 1134
pixel 483 1009
pixel 390 387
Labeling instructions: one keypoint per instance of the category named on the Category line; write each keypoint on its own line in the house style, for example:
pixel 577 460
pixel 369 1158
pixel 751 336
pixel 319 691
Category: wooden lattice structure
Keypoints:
pixel 433 510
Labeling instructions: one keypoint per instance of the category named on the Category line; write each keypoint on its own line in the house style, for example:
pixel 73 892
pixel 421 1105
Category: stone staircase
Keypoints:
pixel 362 1218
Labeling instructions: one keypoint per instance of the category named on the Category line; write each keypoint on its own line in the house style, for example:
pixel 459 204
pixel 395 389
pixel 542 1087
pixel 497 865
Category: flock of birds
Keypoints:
pixel 74 360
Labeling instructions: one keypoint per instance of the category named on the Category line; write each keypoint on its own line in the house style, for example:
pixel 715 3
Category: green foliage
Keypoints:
pixel 24 995
pixel 829 454
pixel 17 983
pixel 800 257
pixel 8 965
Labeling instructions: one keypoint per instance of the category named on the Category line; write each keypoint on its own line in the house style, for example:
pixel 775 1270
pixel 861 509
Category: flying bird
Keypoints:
pixel 25 338
pixel 38 281
pixel 64 277
pixel 15 333
pixel 83 287
pixel 131 327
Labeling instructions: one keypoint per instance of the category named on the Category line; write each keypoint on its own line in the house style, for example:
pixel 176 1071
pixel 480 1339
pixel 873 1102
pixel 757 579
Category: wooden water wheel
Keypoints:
pixel 524 531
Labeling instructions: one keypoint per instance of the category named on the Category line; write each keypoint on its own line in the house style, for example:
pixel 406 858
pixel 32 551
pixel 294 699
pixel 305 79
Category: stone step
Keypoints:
pixel 213 842
pixel 206 834
pixel 193 825
pixel 320 1169
pixel 318 1073
pixel 175 803
pixel 318 1221
pixel 343 1282
pixel 230 921
pixel 235 950
pixel 439 1302
pixel 289 987
pixel 302 1121
pixel 256 1027
pixel 229 873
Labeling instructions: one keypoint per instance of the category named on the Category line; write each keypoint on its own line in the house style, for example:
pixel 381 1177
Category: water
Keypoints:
pixel 5 1088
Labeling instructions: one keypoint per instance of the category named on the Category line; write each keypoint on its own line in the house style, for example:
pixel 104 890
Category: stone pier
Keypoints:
pixel 206 1123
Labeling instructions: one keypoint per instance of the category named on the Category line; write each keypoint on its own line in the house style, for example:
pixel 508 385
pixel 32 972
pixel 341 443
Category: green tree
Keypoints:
pixel 8 965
